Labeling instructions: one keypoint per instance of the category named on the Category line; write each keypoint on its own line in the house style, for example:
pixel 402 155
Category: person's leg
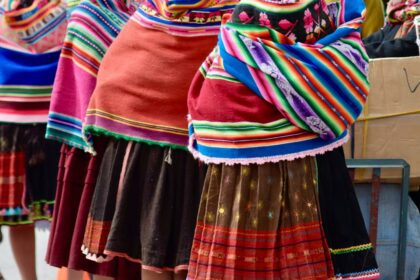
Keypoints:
pixel 150 275
pixel 99 277
pixel 22 240
pixel 1 239
pixel 72 274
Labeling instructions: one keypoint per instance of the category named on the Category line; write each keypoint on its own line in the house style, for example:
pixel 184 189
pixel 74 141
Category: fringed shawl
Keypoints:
pixel 317 89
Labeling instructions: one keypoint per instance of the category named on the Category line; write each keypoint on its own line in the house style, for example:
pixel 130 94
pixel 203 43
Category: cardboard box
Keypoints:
pixel 389 126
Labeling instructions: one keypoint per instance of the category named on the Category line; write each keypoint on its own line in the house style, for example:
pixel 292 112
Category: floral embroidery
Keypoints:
pixel 311 24
pixel 264 20
pixel 243 16
pixel 308 21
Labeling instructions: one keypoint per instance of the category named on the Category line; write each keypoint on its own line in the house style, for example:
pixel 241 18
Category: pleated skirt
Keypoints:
pixel 77 177
pixel 295 219
pixel 145 206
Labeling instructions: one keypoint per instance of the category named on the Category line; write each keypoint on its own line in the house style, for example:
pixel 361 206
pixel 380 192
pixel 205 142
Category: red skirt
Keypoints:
pixel 76 183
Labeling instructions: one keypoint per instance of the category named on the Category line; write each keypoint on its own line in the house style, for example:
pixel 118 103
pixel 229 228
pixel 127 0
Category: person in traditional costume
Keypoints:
pixel 148 189
pixel 269 109
pixel 31 35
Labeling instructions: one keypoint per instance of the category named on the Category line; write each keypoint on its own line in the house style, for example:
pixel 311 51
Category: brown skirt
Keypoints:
pixel 288 220
pixel 260 222
pixel 147 214
pixel 76 183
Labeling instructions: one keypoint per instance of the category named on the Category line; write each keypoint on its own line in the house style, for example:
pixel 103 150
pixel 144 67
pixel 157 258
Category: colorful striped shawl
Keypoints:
pixel 184 18
pixel 93 26
pixel 29 42
pixel 25 85
pixel 317 90
pixel 38 28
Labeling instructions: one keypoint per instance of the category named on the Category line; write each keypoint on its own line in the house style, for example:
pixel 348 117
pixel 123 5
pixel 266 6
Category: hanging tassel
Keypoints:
pixel 168 158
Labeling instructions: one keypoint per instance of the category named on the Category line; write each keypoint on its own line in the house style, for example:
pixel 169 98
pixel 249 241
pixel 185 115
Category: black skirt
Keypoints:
pixel 347 237
pixel 145 206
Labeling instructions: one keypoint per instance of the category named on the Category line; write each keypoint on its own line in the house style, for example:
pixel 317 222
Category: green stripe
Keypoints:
pixel 249 59
pixel 22 91
pixel 85 43
pixel 241 129
pixel 221 77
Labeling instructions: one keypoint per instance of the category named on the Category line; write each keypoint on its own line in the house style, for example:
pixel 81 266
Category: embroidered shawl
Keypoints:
pixel 93 26
pixel 285 81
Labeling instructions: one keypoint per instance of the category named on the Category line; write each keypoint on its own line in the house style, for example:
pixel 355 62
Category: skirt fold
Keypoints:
pixel 156 192
pixel 78 172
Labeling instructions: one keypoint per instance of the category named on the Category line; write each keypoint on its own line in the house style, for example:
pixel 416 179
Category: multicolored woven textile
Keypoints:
pixel 29 42
pixel 25 85
pixel 278 87
pixel 260 222
pixel 38 28
pixel 152 106
pixel 143 46
pixel 93 26
pixel 12 172
pixel 403 12
pixel 184 18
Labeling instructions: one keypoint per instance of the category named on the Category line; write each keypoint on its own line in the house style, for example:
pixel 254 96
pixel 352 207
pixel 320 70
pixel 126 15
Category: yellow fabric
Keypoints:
pixel 374 17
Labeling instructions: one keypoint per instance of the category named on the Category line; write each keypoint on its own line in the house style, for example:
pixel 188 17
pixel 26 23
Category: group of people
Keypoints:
pixel 199 139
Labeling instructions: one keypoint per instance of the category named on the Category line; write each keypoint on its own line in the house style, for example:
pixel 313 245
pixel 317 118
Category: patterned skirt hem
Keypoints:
pixel 37 211
pixel 365 275
pixel 110 255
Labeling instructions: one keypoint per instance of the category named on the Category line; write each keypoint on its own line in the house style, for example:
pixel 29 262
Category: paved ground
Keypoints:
pixel 7 263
